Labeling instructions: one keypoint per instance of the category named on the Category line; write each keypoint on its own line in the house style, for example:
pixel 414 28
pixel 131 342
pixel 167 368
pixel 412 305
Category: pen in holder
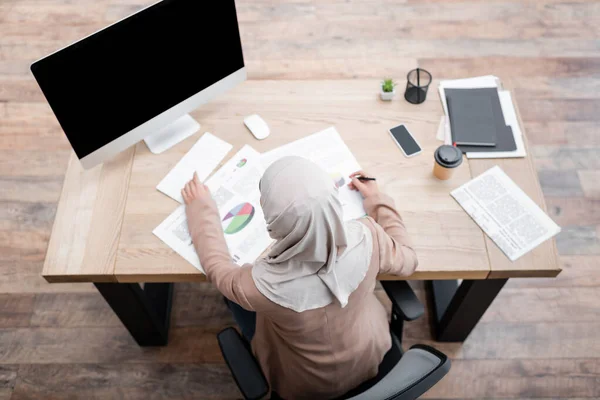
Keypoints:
pixel 417 83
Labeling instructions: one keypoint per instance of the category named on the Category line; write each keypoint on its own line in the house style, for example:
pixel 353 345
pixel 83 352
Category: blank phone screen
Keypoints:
pixel 405 140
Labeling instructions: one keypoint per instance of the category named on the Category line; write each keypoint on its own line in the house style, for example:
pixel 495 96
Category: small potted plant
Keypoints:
pixel 388 89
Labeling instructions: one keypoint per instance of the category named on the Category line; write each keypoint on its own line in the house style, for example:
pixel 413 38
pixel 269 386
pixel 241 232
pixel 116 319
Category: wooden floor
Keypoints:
pixel 539 340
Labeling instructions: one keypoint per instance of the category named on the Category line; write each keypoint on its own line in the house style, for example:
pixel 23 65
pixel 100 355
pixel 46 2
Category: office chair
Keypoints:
pixel 401 376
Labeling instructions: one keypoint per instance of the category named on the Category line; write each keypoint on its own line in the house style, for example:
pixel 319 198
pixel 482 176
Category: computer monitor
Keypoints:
pixel 138 78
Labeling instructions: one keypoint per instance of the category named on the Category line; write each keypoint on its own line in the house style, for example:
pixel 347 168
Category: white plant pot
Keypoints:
pixel 387 96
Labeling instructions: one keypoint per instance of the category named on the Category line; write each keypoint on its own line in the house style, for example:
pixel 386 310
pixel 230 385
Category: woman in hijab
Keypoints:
pixel 308 306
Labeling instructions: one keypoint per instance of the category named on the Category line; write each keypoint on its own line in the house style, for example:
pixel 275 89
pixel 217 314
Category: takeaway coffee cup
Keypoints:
pixel 446 159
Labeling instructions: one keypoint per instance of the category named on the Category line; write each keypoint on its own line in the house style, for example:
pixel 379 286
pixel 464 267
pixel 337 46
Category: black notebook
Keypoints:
pixel 503 135
pixel 471 119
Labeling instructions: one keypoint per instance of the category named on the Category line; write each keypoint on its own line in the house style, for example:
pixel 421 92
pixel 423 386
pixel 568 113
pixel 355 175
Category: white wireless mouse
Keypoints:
pixel 257 126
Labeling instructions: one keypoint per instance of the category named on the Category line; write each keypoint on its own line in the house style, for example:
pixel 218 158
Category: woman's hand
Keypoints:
pixel 196 197
pixel 366 188
pixel 193 190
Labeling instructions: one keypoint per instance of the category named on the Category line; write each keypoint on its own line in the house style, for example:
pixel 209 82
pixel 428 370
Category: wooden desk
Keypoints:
pixel 105 217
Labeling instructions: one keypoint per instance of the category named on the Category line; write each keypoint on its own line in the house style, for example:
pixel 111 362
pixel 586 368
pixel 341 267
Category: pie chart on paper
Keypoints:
pixel 237 218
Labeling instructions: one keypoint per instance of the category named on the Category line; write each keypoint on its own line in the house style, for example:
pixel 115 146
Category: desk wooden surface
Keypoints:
pixel 105 217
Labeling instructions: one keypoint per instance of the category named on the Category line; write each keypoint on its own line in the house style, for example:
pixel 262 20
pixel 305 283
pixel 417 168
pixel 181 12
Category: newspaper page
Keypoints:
pixel 328 150
pixel 505 213
pixel 204 156
pixel 235 190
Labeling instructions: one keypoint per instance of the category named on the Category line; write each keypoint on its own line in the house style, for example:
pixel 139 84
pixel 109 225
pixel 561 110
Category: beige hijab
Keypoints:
pixel 317 257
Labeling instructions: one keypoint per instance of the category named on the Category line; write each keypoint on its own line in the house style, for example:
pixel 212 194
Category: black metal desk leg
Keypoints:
pixel 458 308
pixel 145 312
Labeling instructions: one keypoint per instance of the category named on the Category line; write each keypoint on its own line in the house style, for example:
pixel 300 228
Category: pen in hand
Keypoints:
pixel 367 186
pixel 365 178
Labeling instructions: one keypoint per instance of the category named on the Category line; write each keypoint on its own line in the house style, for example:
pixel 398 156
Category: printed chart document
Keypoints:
pixel 235 190
pixel 505 213
pixel 203 158
pixel 328 150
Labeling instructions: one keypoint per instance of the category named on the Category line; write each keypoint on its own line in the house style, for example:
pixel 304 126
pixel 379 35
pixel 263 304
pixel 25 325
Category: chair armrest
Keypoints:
pixel 243 366
pixel 428 380
pixel 404 301
pixel 419 369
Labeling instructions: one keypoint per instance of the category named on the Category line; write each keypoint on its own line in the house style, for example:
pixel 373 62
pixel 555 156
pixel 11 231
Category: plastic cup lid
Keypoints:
pixel 448 156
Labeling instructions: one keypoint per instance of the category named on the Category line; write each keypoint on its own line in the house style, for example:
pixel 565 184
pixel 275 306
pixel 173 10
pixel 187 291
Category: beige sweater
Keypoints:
pixel 320 353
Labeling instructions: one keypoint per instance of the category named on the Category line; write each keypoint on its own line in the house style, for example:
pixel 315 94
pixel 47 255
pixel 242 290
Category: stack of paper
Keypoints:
pixel 506 103
pixel 235 188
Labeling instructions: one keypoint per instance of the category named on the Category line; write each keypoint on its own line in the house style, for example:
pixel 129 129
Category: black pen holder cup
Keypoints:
pixel 417 84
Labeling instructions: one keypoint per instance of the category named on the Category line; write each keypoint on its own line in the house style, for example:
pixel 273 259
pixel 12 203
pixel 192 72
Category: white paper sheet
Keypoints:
pixel 174 232
pixel 443 133
pixel 204 156
pixel 235 190
pixel 505 213
pixel 328 150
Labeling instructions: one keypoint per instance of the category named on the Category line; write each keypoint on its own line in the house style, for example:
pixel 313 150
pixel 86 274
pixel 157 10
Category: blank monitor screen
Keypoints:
pixel 115 80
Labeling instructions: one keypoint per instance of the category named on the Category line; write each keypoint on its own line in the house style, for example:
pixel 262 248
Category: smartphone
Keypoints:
pixel 405 141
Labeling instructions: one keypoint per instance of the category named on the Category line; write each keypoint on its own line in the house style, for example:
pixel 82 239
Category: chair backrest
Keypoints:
pixel 419 369
pixel 401 376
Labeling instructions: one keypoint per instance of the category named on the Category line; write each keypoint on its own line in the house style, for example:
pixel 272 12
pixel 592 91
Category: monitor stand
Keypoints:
pixel 172 134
